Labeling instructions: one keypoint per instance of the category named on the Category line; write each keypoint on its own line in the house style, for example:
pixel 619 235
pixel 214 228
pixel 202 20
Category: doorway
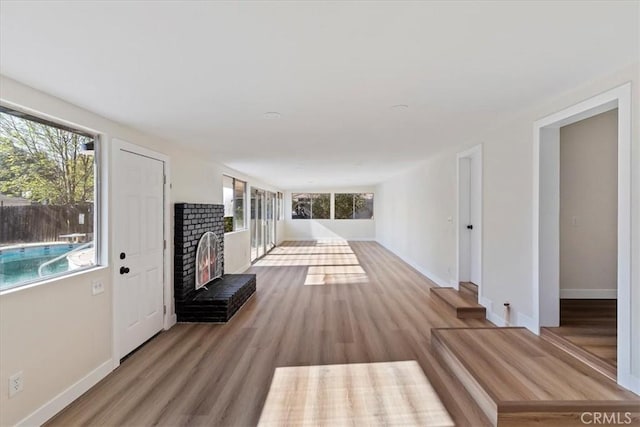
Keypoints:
pixel 139 245
pixel 546 218
pixel 263 224
pixel 469 224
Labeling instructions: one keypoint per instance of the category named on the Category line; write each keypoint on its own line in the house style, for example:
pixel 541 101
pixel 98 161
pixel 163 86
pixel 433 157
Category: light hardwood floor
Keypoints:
pixel 592 325
pixel 317 303
pixel 516 375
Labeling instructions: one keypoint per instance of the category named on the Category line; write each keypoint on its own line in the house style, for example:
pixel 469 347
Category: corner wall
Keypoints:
pixel 57 333
pixel 413 213
pixel 415 207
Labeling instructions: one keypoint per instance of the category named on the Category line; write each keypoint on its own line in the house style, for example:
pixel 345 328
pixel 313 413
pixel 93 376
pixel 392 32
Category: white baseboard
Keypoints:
pixel 588 293
pixel 428 274
pixel 517 318
pixel 173 319
pixel 58 403
pixel 528 322
pixel 311 239
pixel 629 381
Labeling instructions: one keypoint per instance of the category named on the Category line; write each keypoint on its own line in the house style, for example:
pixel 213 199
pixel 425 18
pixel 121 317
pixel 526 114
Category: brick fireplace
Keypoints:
pixel 219 299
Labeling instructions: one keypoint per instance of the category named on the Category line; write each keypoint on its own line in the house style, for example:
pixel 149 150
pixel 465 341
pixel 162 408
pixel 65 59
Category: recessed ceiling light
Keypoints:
pixel 272 115
pixel 399 107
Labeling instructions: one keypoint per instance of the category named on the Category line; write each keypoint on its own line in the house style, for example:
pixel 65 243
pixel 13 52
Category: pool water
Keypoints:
pixel 20 264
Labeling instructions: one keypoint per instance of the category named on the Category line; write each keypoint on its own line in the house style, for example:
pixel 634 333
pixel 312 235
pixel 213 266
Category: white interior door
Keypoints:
pixel 138 198
pixel 469 227
pixel 464 180
pixel 475 193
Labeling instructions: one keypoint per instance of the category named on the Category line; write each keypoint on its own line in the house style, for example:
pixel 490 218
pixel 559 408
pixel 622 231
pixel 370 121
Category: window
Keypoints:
pixel 354 206
pixel 280 206
pixel 310 206
pixel 233 195
pixel 48 199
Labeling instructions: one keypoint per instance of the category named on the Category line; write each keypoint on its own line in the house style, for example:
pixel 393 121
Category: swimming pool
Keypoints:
pixel 19 264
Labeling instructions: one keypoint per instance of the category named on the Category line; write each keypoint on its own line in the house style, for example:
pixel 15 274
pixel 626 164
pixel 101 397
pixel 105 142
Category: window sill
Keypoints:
pixel 52 279
pixel 236 231
pixel 333 219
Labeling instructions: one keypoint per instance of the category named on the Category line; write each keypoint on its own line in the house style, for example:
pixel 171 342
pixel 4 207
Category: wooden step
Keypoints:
pixel 518 378
pixel 469 289
pixel 605 368
pixel 464 308
pixel 581 312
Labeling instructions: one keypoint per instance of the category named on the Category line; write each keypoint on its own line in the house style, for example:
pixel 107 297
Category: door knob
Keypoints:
pixel 470 227
pixel 124 270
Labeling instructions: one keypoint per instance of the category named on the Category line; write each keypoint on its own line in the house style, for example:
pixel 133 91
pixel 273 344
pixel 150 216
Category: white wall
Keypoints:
pixel 314 229
pixel 237 245
pixel 57 333
pixel 588 207
pixel 412 219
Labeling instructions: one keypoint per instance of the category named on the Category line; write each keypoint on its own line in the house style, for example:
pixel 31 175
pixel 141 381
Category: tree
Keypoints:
pixel 321 206
pixel 354 205
pixel 344 206
pixel 43 163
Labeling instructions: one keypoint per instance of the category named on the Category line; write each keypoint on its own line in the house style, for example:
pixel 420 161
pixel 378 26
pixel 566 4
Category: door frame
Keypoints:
pixel 169 316
pixel 475 154
pixel 263 193
pixel 546 213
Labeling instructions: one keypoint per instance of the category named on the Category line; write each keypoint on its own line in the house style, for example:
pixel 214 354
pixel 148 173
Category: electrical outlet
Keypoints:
pixel 97 287
pixel 16 384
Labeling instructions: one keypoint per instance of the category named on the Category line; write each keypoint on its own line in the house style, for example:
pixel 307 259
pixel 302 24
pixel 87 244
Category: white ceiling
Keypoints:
pixel 202 74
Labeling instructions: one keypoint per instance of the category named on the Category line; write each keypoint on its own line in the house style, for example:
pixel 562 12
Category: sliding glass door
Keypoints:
pixel 263 224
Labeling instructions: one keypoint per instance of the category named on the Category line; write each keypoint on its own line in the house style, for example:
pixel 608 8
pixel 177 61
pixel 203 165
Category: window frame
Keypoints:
pixel 280 206
pixel 233 203
pixel 353 207
pixel 99 199
pixel 311 198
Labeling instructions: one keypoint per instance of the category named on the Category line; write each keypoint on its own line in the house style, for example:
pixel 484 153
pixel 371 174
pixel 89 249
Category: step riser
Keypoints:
pixel 489 385
pixel 453 365
pixel 462 312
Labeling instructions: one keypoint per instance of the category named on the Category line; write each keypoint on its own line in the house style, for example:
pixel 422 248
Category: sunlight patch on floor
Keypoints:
pixel 305 260
pixel 335 279
pixel 330 262
pixel 388 393
pixel 335 275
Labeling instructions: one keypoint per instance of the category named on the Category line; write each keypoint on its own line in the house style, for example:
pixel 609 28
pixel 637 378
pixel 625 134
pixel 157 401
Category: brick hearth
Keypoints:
pixel 223 297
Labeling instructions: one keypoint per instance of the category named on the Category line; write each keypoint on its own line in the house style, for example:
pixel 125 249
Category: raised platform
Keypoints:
pixel 518 378
pixel 464 308
pixel 221 299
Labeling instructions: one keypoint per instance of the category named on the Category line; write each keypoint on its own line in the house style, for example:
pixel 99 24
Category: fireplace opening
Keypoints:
pixel 208 259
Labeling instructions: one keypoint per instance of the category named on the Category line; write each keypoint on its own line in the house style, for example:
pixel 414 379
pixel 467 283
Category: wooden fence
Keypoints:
pixel 45 223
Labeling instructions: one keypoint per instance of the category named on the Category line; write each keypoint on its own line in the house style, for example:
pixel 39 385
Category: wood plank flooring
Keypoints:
pixel 602 341
pixel 360 304
pixel 355 394
pixel 512 371
pixel 588 330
